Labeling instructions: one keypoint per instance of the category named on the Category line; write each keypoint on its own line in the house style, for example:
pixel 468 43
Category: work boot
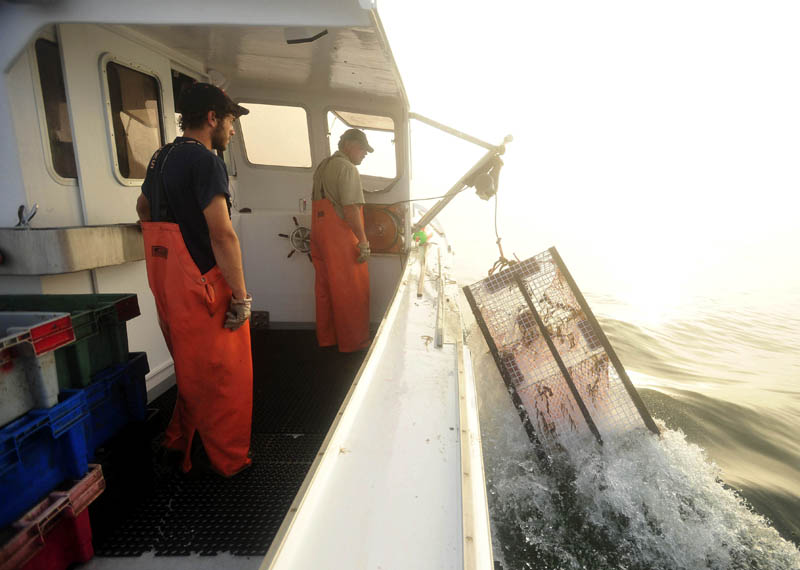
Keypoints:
pixel 201 464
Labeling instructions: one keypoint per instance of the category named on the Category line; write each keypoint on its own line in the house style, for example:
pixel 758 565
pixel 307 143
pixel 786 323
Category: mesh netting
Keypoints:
pixel 547 369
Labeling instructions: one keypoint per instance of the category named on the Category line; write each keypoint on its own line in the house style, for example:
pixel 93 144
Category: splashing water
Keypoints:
pixel 637 502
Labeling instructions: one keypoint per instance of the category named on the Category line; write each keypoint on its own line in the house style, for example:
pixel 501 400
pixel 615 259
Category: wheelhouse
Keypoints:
pixel 91 102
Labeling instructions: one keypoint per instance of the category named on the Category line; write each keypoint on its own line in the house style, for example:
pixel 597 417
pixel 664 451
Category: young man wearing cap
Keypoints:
pixel 194 266
pixel 339 247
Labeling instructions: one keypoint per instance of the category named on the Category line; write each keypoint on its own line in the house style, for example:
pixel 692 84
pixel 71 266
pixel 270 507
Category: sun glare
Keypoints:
pixel 660 137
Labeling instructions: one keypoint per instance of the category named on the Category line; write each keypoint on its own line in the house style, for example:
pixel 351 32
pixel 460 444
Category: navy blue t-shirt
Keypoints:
pixel 192 176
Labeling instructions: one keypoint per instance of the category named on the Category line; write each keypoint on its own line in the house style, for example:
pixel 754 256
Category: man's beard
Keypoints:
pixel 219 140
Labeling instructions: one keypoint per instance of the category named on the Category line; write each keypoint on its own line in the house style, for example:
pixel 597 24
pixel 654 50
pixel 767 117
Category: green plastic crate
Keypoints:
pixel 99 322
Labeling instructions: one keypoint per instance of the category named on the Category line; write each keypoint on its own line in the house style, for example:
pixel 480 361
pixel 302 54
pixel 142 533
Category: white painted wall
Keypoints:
pixel 67 283
pixel 283 286
pixel 20 285
pixel 13 192
pixel 106 201
pixel 58 198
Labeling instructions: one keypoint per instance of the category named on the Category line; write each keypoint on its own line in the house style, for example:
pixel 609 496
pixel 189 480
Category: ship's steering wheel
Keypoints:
pixel 299 239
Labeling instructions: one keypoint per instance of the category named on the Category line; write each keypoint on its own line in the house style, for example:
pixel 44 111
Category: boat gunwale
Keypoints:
pixel 302 492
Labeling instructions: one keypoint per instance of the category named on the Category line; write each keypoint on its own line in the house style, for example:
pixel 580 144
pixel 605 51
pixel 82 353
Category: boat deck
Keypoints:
pixel 151 508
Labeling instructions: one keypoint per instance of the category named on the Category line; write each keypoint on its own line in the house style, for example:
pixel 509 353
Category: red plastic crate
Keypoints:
pixel 69 542
pixel 55 533
pixel 53 334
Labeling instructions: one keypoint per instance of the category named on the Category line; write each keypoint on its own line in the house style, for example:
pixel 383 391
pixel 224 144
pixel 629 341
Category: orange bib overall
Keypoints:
pixel 341 284
pixel 213 365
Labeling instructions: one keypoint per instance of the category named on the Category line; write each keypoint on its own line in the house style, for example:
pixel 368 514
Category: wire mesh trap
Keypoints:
pixel 562 373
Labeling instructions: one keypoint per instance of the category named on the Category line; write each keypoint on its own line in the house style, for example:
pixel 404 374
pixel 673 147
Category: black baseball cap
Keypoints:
pixel 356 135
pixel 203 97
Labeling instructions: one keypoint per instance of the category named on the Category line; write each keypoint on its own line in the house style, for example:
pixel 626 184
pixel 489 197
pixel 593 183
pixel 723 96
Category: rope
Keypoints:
pixel 417 200
pixel 502 262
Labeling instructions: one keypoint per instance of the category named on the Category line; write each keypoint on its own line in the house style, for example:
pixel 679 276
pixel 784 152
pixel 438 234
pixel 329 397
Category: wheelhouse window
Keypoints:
pixel 276 135
pixel 135 103
pixel 54 98
pixel 380 134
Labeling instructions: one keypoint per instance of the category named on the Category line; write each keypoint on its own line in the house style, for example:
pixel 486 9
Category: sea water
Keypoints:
pixel 718 489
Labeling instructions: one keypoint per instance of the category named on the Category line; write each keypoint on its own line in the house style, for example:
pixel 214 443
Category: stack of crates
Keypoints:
pixel 45 451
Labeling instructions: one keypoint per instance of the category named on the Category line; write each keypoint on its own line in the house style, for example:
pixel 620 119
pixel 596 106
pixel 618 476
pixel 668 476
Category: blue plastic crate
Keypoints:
pixel 116 397
pixel 40 450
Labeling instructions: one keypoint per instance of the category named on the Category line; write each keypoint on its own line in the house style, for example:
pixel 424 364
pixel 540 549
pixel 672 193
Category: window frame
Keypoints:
pixel 274 103
pixel 41 114
pixel 399 167
pixel 105 59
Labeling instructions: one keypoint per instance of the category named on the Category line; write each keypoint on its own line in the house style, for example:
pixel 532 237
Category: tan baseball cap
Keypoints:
pixel 356 135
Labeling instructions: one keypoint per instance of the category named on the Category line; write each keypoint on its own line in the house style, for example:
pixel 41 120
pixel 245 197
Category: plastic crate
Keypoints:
pixel 39 451
pixel 28 372
pixel 101 335
pixel 57 532
pixel 116 397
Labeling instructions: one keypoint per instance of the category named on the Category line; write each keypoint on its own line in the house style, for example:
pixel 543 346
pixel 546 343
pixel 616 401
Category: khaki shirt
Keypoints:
pixel 338 180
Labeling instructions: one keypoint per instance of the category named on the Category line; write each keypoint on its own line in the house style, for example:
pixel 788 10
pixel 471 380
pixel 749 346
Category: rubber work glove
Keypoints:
pixel 363 251
pixel 238 312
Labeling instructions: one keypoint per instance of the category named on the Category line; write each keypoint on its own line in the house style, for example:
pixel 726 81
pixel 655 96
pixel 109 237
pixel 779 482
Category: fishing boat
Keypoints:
pixel 365 461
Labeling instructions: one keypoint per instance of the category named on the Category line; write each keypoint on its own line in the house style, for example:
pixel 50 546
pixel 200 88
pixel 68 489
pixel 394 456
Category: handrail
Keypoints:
pixel 439 334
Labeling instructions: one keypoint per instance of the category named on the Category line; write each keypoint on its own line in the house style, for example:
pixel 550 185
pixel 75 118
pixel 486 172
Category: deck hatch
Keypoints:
pixel 563 375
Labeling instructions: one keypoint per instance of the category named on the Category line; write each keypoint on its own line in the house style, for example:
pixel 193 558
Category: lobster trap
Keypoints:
pixel 564 377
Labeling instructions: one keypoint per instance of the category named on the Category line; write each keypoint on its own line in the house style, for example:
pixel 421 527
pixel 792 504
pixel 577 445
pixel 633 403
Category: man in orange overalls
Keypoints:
pixel 194 267
pixel 339 247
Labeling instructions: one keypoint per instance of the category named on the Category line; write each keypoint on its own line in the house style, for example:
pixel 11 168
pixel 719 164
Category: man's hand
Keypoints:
pixel 238 312
pixel 363 251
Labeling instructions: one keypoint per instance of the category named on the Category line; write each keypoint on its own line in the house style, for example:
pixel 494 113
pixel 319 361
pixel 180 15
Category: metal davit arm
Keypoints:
pixel 456 133
pixel 488 162
pixel 481 166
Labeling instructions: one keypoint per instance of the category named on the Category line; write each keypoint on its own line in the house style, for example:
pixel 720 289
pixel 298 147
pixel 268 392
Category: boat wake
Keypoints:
pixel 638 502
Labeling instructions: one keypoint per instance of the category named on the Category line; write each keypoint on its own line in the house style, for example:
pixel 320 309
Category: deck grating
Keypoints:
pixel 298 389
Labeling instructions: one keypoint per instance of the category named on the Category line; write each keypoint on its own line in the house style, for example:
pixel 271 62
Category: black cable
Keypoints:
pixel 496 234
pixel 417 200
pixel 502 262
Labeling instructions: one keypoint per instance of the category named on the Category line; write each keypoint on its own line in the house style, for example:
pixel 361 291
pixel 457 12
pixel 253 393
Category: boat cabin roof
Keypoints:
pixel 321 46
pixel 349 59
